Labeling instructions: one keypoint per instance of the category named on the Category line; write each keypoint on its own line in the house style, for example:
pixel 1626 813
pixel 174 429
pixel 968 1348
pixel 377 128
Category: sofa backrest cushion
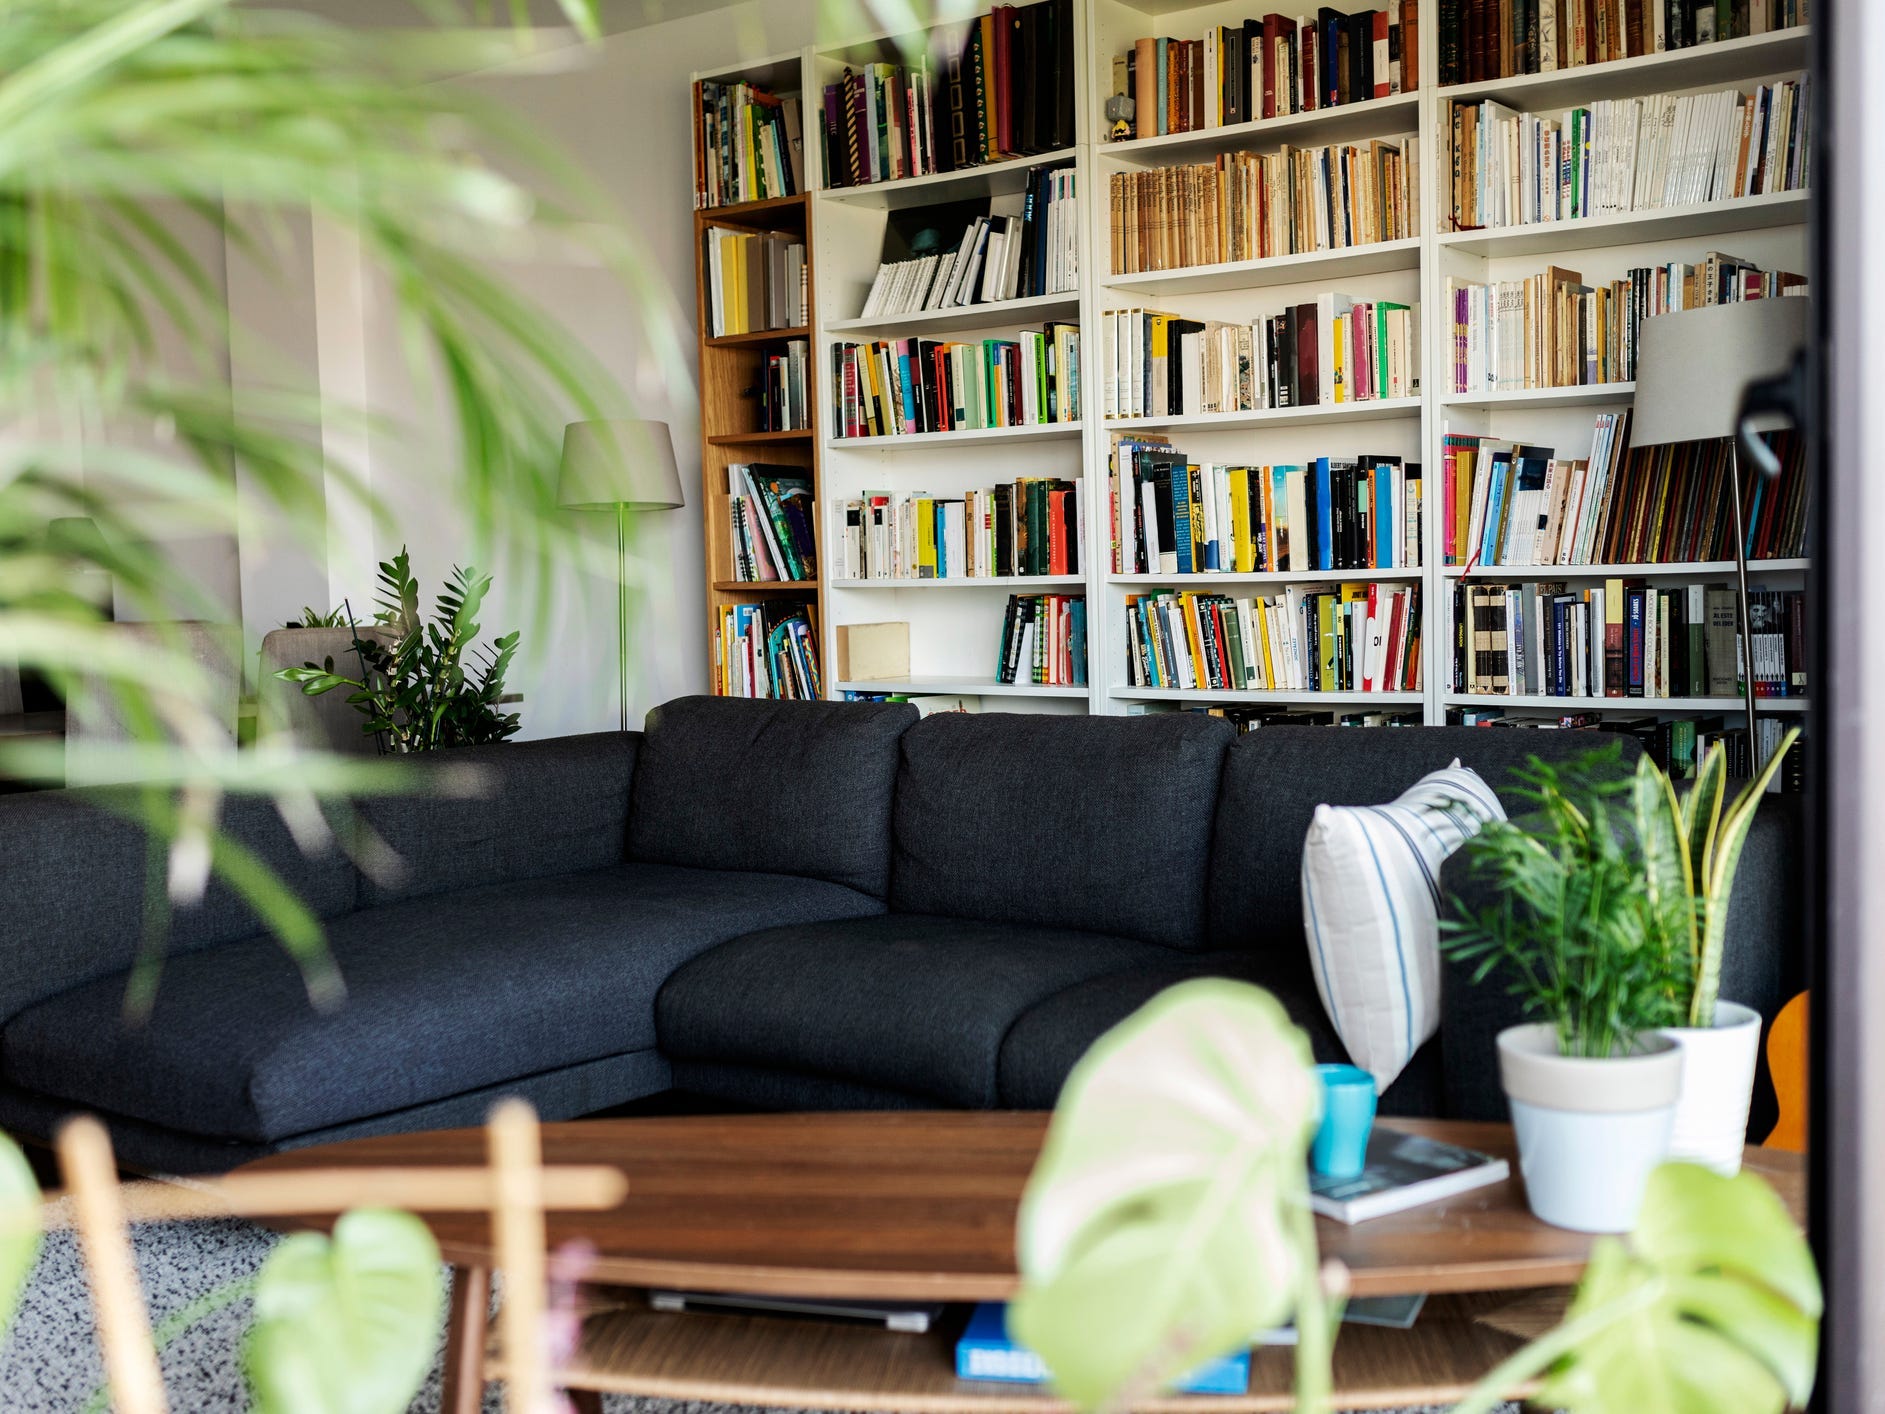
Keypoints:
pixel 1096 823
pixel 500 813
pixel 81 888
pixel 1275 777
pixel 798 788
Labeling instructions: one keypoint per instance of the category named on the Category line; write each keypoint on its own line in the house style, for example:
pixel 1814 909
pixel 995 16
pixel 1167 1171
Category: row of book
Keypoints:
pixel 770 514
pixel 1258 205
pixel 1515 504
pixel 748 145
pixel 1626 154
pixel 1043 640
pixel 1676 744
pixel 1268 68
pixel 1329 638
pixel 996 256
pixel 781 392
pixel 767 649
pixel 1030 526
pixel 1250 719
pixel 1551 330
pixel 1332 349
pixel 1496 39
pixel 755 281
pixel 1174 516
pixel 1004 91
pixel 905 387
pixel 1625 638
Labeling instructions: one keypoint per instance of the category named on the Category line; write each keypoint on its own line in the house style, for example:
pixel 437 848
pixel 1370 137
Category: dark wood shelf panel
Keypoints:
pixel 772 214
pixel 758 336
pixel 746 439
pixel 806 587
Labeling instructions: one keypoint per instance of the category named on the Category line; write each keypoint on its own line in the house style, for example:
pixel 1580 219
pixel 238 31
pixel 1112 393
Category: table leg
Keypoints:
pixel 463 1389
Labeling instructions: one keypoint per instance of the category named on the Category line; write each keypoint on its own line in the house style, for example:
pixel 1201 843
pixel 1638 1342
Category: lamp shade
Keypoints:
pixel 1691 366
pixel 621 462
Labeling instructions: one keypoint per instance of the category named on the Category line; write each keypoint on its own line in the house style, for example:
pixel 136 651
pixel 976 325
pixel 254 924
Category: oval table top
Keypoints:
pixel 920 1206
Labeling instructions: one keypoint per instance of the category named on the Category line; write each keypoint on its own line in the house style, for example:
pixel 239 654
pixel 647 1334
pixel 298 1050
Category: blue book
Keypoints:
pixel 987 1352
pixel 1181 517
pixel 1384 548
pixel 1325 519
pixel 1491 539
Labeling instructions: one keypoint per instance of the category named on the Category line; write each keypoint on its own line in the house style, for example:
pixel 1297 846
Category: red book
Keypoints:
pixel 1003 97
pixel 1308 383
pixel 1057 532
pixel 1272 26
pixel 1380 53
pixel 1308 65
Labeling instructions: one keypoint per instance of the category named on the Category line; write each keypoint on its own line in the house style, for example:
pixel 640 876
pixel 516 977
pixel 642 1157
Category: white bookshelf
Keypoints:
pixel 955 623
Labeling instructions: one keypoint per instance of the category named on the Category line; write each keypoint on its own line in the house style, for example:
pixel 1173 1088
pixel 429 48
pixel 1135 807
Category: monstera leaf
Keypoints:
pixel 1168 1220
pixel 19 1227
pixel 348 1325
pixel 1711 1306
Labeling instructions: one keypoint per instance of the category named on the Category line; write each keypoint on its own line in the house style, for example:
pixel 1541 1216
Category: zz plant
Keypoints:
pixel 428 688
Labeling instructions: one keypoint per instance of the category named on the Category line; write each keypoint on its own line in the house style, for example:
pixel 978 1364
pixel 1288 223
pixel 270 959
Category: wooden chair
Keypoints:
pixel 1789 1066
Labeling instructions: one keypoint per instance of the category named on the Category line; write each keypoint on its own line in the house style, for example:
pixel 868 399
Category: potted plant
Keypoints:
pixel 1597 957
pixel 1691 846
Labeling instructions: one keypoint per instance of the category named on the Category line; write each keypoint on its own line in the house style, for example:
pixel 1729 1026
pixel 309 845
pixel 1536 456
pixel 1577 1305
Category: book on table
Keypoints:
pixel 987 1352
pixel 1403 1171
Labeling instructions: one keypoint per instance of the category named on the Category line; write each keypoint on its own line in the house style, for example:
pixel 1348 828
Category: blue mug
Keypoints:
pixel 1341 1146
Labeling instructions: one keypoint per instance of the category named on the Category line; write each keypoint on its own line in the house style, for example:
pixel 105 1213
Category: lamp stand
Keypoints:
pixel 621 604
pixel 1742 604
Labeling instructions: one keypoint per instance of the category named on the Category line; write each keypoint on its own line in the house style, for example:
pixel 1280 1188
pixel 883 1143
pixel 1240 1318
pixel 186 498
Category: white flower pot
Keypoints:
pixel 1711 1125
pixel 1589 1131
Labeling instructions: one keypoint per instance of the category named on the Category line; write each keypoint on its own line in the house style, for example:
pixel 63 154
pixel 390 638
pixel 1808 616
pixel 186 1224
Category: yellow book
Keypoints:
pixel 1260 613
pixel 1195 636
pixel 924 509
pixel 1339 343
pixel 872 422
pixel 1244 545
pixel 1463 462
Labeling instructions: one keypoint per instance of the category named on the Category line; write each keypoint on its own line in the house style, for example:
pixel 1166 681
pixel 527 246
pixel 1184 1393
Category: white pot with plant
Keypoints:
pixel 1592 952
pixel 1691 846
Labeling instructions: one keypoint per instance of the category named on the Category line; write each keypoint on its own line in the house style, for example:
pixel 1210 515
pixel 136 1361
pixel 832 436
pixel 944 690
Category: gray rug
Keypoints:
pixel 50 1363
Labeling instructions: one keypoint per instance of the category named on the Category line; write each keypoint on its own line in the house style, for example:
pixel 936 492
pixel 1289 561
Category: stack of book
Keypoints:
pixel 1676 744
pixel 1624 638
pixel 1496 39
pixel 770 509
pixel 1626 154
pixel 904 387
pixel 783 403
pixel 1043 640
pixel 993 256
pixel 1268 68
pixel 1332 349
pixel 1360 637
pixel 748 145
pixel 1031 526
pixel 755 281
pixel 768 649
pixel 1170 515
pixel 1255 205
pixel 1517 504
pixel 1551 330
pixel 1005 91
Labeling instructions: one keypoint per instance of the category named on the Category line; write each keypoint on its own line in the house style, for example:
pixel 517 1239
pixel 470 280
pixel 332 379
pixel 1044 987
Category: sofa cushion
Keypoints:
pixel 904 1001
pixel 1275 777
pixel 492 814
pixel 1095 823
pixel 445 994
pixel 780 787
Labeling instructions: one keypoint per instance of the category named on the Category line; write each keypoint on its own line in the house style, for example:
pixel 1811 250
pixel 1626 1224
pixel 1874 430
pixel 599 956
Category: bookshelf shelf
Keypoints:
pixel 1679 568
pixel 967 437
pixel 1034 310
pixel 992 179
pixel 1375 410
pixel 1306 268
pixel 972 686
pixel 758 336
pixel 1374 118
pixel 1291 699
pixel 1190 581
pixel 765 586
pixel 758 439
pixel 1583 395
pixel 1009 583
pixel 767 215
pixel 1714 218
pixel 1699 66
pixel 1624 704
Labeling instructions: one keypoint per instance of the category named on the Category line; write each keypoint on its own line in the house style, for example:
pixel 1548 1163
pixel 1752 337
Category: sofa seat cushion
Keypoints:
pixel 908 1002
pixel 444 994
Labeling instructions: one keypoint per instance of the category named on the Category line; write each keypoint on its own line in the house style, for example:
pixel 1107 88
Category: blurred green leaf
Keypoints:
pixel 19 1228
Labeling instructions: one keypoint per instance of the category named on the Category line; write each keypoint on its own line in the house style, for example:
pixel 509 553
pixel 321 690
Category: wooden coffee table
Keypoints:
pixel 921 1207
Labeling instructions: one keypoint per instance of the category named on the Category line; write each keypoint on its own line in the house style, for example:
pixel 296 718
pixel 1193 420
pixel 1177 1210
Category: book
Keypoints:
pixel 985 1351
pixel 1403 1171
pixel 1029 526
pixel 907 387
pixel 748 144
pixel 1355 636
pixel 756 281
pixel 766 649
pixel 1043 640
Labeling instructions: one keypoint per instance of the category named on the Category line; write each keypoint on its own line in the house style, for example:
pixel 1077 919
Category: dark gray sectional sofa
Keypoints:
pixel 783 905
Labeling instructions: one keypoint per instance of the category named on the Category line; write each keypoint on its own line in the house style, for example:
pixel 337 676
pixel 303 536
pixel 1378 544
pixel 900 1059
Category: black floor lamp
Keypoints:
pixel 1692 369
pixel 621 465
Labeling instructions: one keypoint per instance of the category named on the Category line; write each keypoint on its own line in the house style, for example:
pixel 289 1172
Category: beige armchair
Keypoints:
pixel 325 723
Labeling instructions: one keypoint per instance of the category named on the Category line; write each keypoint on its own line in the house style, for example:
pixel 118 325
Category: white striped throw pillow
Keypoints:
pixel 1371 909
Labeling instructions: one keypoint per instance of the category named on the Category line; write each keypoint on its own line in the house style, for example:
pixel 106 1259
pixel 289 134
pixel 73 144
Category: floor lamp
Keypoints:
pixel 1692 369
pixel 619 465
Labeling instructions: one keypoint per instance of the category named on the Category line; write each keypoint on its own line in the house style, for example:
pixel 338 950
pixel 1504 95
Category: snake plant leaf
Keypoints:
pixel 1701 808
pixel 1666 869
pixel 347 1325
pixel 19 1228
pixel 1167 1218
